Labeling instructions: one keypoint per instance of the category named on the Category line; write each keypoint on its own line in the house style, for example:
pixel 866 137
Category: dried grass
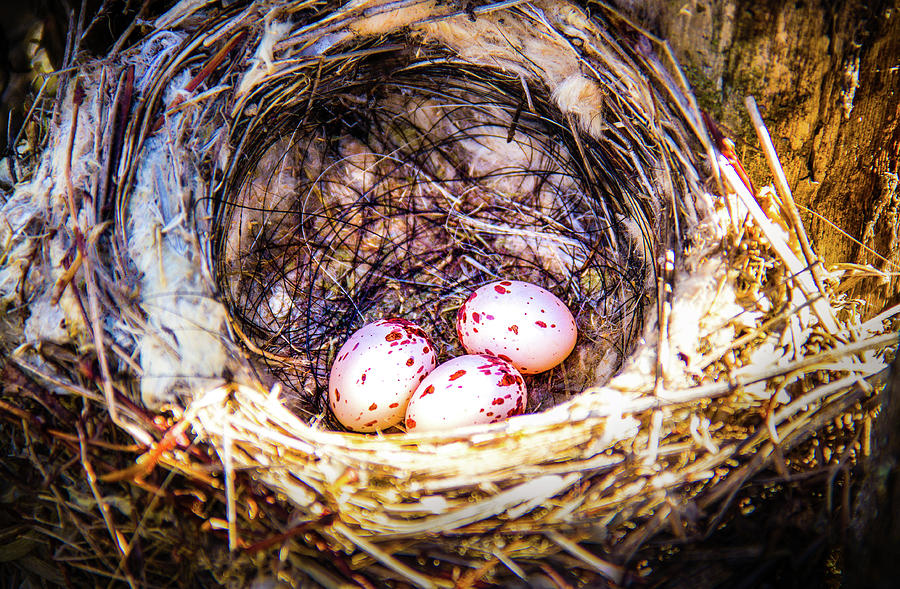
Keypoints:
pixel 154 415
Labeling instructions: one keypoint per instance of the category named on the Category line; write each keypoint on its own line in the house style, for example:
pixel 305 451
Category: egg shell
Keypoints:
pixel 375 373
pixel 519 322
pixel 466 390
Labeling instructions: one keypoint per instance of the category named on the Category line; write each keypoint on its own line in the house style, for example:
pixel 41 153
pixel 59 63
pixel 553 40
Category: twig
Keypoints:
pixel 849 237
pixel 474 575
pixel 511 564
pixel 63 507
pixel 116 536
pixel 612 572
pixel 747 376
pixel 802 274
pixel 20 413
pixel 230 499
pixel 784 191
pixel 386 559
pixel 653 439
pixel 555 576
pixel 277 539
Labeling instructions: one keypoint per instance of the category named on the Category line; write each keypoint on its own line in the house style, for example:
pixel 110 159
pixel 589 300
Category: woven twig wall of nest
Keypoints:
pixel 216 208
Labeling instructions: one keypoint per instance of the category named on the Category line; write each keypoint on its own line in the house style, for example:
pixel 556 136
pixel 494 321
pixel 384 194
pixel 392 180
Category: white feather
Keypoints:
pixel 183 350
pixel 580 96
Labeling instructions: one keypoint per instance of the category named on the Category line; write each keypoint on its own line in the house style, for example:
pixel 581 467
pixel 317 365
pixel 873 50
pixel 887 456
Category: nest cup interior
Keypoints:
pixel 398 183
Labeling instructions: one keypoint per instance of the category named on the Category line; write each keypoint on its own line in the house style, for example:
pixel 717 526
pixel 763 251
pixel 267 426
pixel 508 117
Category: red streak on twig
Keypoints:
pixel 204 73
pixel 147 461
pixel 726 148
pixel 284 536
pixel 215 61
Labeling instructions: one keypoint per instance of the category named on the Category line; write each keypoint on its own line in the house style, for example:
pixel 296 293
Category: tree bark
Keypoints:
pixel 827 78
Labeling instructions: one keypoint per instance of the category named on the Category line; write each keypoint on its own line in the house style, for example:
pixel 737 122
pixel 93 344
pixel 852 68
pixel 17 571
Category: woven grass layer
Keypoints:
pixel 169 436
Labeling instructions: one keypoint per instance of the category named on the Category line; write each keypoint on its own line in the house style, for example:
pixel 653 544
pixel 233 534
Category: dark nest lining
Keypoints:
pixel 396 190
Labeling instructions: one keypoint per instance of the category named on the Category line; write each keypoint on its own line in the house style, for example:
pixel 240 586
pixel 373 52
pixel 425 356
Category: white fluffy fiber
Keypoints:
pixel 36 232
pixel 702 320
pixel 183 348
pixel 181 339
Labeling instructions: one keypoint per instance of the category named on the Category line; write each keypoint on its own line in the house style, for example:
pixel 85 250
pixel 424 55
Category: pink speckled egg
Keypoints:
pixel 519 322
pixel 376 371
pixel 466 390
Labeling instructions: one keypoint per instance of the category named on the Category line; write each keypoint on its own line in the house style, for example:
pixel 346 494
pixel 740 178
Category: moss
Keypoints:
pixel 708 95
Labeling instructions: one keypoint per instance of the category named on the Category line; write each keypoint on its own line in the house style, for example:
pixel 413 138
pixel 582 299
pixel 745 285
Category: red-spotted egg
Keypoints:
pixel 376 371
pixel 466 390
pixel 519 322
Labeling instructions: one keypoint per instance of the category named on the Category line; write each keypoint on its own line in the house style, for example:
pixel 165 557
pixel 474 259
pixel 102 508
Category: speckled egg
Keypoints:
pixel 466 390
pixel 376 371
pixel 519 322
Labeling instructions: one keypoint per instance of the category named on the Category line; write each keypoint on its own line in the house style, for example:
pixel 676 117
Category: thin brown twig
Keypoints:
pixel 128 448
pixel 116 536
pixel 555 576
pixel 613 572
pixel 18 413
pixel 473 576
pixel 83 529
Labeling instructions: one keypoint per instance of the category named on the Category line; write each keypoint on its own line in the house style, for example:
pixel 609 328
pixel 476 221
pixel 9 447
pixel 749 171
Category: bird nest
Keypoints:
pixel 216 209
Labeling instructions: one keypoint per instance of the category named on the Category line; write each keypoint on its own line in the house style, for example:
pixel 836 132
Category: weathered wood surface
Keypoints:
pixel 827 78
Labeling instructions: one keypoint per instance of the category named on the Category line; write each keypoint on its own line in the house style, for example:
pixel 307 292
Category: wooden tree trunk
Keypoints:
pixel 827 78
